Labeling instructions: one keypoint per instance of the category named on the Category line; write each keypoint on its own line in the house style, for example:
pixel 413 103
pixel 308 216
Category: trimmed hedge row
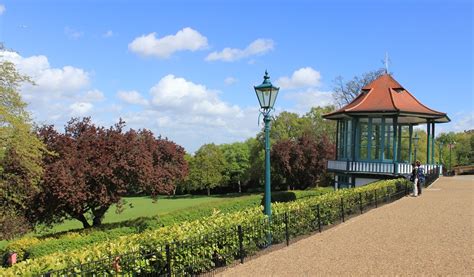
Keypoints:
pixel 32 247
pixel 210 237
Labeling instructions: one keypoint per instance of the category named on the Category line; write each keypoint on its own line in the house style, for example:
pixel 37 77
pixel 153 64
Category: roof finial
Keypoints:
pixel 386 61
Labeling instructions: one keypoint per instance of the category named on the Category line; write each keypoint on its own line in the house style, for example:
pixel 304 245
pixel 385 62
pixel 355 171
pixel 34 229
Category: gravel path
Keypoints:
pixel 427 235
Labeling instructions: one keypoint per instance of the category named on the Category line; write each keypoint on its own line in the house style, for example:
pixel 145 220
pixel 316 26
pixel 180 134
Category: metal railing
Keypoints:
pixel 192 256
pixel 376 167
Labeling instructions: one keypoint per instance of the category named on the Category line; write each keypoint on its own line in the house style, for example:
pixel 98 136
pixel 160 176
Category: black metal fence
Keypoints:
pixel 194 257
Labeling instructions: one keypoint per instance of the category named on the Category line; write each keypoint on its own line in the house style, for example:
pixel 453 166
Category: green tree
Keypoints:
pixel 345 92
pixel 256 160
pixel 462 152
pixel 206 170
pixel 287 125
pixel 237 156
pixel 20 153
pixel 317 125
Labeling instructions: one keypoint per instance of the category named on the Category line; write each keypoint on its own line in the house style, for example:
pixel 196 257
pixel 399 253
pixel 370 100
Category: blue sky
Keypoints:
pixel 185 69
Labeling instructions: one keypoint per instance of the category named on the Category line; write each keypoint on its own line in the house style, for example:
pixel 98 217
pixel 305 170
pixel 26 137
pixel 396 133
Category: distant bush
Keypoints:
pixel 212 236
pixel 288 196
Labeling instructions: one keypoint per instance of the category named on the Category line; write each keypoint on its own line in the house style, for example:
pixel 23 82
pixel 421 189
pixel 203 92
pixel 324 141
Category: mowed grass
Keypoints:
pixel 146 207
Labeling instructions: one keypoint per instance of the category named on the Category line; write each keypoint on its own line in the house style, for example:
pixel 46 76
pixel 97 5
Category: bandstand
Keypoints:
pixel 374 137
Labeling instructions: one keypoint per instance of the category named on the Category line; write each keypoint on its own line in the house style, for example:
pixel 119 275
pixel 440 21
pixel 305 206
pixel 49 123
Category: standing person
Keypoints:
pixel 414 179
pixel 420 176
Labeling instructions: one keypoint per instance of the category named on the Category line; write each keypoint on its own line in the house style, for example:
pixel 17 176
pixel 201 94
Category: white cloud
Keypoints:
pixel 73 34
pixel 460 121
pixel 94 95
pixel 185 39
pixel 257 47
pixel 60 81
pixel 132 97
pixel 57 93
pixel 178 94
pixel 81 108
pixel 464 122
pixel 64 79
pixel 312 97
pixel 230 81
pixel 303 77
pixel 108 34
pixel 2 9
pixel 192 114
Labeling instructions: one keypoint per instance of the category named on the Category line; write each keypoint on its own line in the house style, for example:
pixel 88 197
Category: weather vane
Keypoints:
pixel 386 61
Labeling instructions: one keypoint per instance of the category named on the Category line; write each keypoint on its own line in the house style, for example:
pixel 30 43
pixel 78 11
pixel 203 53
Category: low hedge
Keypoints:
pixel 288 196
pixel 32 247
pixel 200 245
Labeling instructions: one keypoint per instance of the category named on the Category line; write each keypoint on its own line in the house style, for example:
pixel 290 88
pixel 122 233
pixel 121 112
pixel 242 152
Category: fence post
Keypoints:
pixel 388 192
pixel 342 209
pixel 319 219
pixel 360 202
pixel 241 243
pixel 168 260
pixel 287 235
pixel 375 198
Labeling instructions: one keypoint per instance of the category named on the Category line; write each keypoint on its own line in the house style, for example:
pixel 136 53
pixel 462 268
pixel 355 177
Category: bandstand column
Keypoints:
pixel 432 142
pixel 395 142
pixel 428 142
pixel 410 134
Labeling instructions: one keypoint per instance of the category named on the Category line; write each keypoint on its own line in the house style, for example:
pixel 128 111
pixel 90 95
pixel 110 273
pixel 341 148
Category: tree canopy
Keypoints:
pixel 344 92
pixel 94 167
pixel 301 162
pixel 20 153
pixel 207 168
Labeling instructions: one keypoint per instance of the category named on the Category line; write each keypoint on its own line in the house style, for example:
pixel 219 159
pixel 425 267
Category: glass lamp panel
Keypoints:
pixel 266 99
pixel 273 96
pixel 260 96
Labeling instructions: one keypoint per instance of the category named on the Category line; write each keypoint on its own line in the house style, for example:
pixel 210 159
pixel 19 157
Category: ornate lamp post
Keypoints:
pixel 267 94
pixel 451 146
pixel 440 147
pixel 415 143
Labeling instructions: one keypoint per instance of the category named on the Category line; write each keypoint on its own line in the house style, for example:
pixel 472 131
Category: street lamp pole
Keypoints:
pixel 267 94
pixel 440 147
pixel 268 198
pixel 451 145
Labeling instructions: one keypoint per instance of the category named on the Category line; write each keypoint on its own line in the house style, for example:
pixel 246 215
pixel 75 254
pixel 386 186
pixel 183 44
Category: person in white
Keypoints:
pixel 414 178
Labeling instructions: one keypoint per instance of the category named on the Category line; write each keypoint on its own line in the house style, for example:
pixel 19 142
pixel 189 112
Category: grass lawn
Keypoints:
pixel 146 207
pixel 169 209
pixel 142 207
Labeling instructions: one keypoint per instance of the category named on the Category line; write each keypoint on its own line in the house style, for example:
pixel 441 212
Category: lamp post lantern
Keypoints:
pixel 415 142
pixel 266 95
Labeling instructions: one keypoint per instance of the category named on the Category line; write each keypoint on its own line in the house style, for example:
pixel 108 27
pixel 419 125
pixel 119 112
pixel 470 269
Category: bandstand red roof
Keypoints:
pixel 385 95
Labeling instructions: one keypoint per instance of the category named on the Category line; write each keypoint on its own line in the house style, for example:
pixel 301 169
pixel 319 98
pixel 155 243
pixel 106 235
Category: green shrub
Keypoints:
pixel 66 241
pixel 214 238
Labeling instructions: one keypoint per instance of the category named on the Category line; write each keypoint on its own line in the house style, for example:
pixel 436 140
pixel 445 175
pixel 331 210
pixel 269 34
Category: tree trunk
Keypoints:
pixel 83 220
pixel 208 191
pixel 240 187
pixel 99 215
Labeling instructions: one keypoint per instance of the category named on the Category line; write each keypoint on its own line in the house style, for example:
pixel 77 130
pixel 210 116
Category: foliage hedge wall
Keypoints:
pixel 32 247
pixel 208 238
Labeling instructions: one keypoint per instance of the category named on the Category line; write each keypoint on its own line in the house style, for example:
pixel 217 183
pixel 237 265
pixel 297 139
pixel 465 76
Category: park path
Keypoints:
pixel 426 235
